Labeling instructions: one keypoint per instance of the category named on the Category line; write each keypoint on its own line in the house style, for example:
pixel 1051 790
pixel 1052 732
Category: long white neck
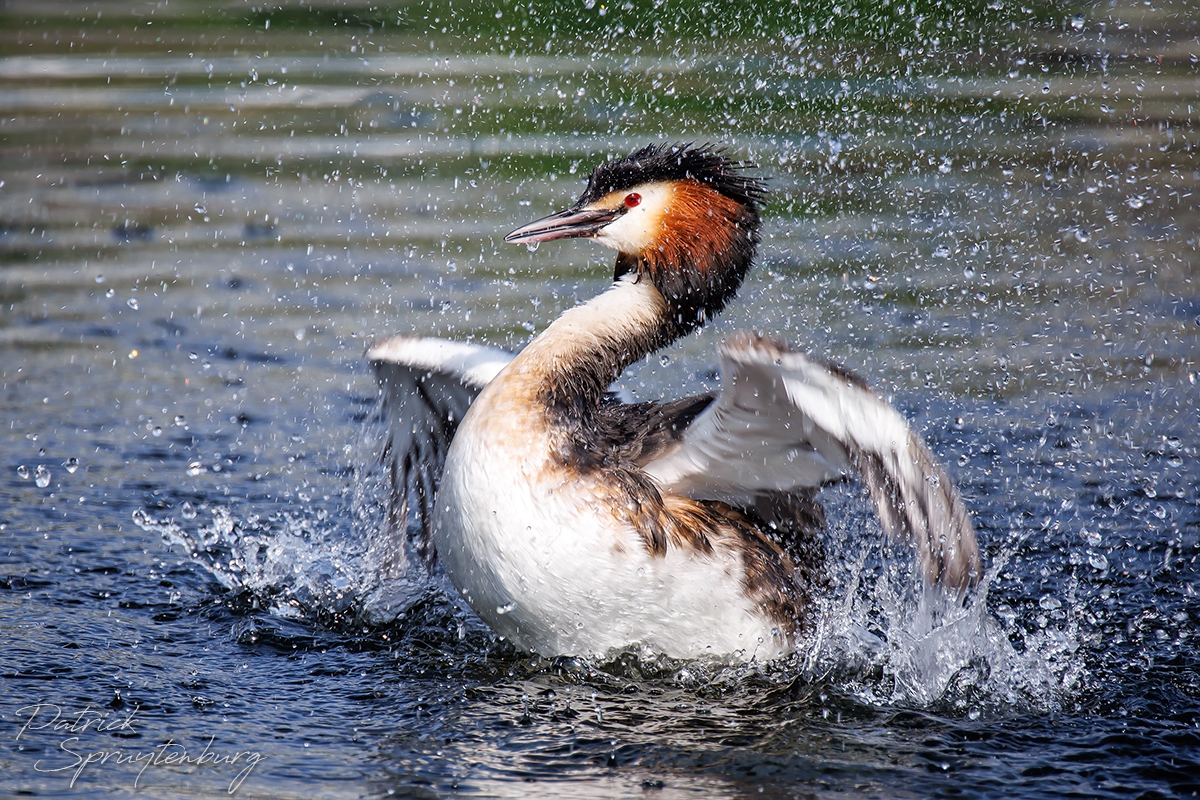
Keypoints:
pixel 576 359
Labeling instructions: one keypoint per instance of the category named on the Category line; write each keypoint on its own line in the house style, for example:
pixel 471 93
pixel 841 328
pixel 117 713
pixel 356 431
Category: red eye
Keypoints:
pixel 632 199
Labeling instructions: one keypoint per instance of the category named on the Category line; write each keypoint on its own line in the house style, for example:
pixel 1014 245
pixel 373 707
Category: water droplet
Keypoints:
pixel 195 468
pixel 1091 537
pixel 933 480
pixel 1098 561
pixel 192 356
pixel 1045 88
pixel 23 472
pixel 664 360
pixel 504 609
pixel 968 273
pixel 180 421
pixel 132 303
pixel 72 464
pixel 99 279
pixel 1077 22
pixel 941 252
pixel 110 293
pixel 156 432
pixel 532 246
pixel 963 460
pixel 41 477
pixel 188 511
pixel 1049 603
pixel 1136 202
pixel 1082 235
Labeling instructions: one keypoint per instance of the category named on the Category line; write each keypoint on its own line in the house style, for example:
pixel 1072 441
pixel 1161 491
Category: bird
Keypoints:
pixel 577 523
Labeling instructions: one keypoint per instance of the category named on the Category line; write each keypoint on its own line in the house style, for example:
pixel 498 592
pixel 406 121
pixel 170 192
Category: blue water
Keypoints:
pixel 1001 236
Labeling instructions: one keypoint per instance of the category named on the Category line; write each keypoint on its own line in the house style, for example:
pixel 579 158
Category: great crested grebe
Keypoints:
pixel 577 524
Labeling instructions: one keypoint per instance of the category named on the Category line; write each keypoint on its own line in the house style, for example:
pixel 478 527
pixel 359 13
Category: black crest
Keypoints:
pixel 667 162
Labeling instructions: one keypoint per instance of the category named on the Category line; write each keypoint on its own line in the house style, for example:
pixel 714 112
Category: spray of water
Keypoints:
pixel 307 562
pixel 881 634
pixel 891 640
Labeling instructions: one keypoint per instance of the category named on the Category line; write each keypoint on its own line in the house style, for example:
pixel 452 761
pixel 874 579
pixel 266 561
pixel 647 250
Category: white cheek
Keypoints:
pixel 640 226
pixel 629 234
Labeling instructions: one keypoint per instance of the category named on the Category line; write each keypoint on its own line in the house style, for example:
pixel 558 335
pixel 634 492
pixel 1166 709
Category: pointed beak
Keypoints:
pixel 572 223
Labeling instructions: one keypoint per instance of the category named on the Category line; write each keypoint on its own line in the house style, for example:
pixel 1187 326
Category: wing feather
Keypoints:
pixel 427 386
pixel 785 423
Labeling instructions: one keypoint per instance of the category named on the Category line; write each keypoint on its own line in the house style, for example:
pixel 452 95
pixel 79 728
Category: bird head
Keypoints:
pixel 684 217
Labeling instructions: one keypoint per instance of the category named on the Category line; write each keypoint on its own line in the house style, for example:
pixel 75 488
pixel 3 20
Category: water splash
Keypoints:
pixel 295 565
pixel 890 640
pixel 341 569
pixel 881 636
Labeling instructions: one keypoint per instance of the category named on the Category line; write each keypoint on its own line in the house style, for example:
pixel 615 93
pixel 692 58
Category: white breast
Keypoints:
pixel 558 577
pixel 546 566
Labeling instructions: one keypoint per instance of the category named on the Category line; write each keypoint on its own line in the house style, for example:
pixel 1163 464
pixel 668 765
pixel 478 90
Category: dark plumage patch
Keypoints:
pixel 794 521
pixel 781 586
pixel 675 162
pixel 625 264
pixel 637 433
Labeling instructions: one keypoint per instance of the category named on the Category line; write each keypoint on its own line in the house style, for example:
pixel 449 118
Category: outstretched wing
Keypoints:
pixel 427 385
pixel 784 422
